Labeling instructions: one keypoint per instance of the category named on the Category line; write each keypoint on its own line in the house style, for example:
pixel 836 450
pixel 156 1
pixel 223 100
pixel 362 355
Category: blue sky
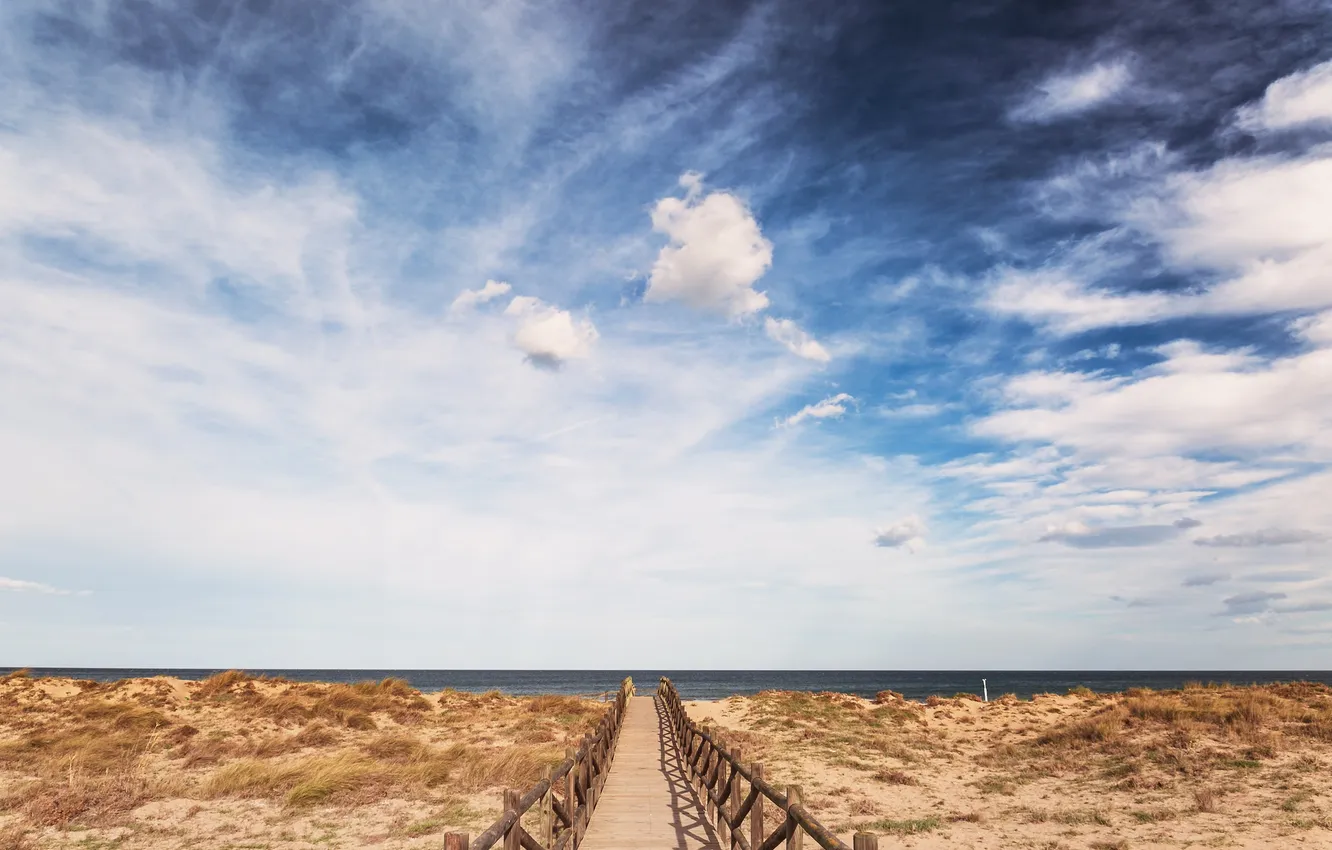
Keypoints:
pixel 419 334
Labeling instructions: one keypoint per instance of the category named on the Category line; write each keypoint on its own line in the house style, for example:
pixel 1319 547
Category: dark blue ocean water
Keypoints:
pixel 715 684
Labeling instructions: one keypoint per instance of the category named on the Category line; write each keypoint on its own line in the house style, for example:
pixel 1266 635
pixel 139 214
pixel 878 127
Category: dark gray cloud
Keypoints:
pixel 1250 603
pixel 1123 536
pixel 1204 579
pixel 1268 537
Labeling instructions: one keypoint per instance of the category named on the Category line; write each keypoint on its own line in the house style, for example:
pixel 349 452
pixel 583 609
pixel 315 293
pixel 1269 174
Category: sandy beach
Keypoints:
pixel 237 762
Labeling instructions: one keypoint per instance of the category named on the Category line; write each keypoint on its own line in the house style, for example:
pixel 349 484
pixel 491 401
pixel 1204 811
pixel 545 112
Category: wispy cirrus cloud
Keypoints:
pixel 15 585
pixel 1069 93
pixel 259 337
pixel 1267 537
pixel 795 340
pixel 832 407
pixel 1081 536
pixel 469 298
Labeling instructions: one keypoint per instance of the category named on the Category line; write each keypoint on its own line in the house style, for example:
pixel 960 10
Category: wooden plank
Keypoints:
pixel 647 800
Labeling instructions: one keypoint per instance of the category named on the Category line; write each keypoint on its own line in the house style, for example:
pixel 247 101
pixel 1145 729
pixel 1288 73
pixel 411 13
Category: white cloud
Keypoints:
pixel 277 242
pixel 1081 536
pixel 1266 537
pixel 469 298
pixel 1316 329
pixel 913 411
pixel 799 343
pixel 715 255
pixel 20 586
pixel 1300 99
pixel 548 335
pixel 1070 93
pixel 833 407
pixel 1241 212
pixel 1262 225
pixel 1191 402
pixel 906 533
pixel 1052 298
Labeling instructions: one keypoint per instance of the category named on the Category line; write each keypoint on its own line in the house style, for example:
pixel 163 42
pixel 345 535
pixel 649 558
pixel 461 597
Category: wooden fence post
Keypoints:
pixel 793 798
pixel 865 841
pixel 719 810
pixel 756 813
pixel 703 757
pixel 456 840
pixel 570 797
pixel 734 807
pixel 513 838
pixel 585 773
pixel 547 834
pixel 711 766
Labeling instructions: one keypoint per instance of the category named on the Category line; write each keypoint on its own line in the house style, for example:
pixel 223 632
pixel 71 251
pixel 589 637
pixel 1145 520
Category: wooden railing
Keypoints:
pixel 565 797
pixel 733 792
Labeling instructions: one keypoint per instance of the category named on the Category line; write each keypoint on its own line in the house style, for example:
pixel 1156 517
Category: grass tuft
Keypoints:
pixel 903 827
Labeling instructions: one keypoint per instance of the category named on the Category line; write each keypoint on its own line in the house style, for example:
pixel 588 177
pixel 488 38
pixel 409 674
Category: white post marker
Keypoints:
pixel 985 689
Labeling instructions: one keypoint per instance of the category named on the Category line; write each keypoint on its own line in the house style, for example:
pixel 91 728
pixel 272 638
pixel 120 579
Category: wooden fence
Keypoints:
pixel 564 798
pixel 734 792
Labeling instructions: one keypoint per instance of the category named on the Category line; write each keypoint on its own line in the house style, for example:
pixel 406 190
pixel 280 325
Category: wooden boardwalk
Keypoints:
pixel 647 802
pixel 638 782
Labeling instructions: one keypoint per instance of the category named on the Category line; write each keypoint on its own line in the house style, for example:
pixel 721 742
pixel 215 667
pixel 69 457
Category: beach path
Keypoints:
pixel 647 802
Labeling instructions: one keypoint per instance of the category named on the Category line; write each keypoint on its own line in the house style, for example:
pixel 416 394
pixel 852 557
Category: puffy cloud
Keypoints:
pixel 1302 98
pixel 1080 536
pixel 715 255
pixel 1269 537
pixel 1070 93
pixel 906 533
pixel 789 334
pixel 469 298
pixel 17 585
pixel 548 335
pixel 832 407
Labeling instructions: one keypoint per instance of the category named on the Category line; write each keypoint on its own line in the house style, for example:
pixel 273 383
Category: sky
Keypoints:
pixel 591 334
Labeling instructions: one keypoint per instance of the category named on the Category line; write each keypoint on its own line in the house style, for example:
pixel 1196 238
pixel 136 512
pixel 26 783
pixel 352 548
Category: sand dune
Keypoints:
pixel 235 761
pixel 1205 766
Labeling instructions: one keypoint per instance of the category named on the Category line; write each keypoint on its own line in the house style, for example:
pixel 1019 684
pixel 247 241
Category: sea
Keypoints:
pixel 718 684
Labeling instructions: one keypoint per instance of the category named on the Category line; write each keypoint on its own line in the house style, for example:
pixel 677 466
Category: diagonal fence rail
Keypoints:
pixel 564 798
pixel 735 792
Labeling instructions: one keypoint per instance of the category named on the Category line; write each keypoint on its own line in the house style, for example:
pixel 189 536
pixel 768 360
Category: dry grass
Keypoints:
pixel 1083 769
pixel 89 754
pixel 16 837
